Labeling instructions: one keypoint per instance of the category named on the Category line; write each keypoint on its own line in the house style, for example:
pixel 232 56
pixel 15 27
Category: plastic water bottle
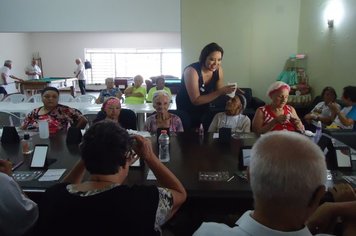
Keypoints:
pixel 27 146
pixel 201 130
pixel 163 141
pixel 318 132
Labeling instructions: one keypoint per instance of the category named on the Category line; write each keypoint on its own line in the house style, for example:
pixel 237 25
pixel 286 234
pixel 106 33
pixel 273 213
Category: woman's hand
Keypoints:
pixel 282 118
pixel 334 107
pixel 142 147
pixel 227 89
pixel 322 220
pixel 343 193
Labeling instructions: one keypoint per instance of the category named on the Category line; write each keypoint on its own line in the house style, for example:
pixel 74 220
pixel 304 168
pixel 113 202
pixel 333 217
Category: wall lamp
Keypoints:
pixel 331 23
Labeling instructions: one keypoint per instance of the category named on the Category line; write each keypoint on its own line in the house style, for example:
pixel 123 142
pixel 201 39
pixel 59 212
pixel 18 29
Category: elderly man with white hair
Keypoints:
pixel 110 91
pixel 287 174
pixel 6 75
pixel 80 74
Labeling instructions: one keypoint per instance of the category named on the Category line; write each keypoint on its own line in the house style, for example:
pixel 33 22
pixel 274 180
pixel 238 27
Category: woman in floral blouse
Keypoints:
pixel 57 115
pixel 162 118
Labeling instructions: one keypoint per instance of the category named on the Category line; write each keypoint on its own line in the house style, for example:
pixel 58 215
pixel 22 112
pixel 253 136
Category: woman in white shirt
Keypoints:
pixel 232 117
pixel 322 110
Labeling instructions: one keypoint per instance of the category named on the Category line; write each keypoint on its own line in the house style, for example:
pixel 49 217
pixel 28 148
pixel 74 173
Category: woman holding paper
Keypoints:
pixel 202 83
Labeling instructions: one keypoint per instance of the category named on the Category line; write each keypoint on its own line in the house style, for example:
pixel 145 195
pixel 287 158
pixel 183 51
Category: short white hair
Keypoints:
pixel 159 93
pixel 109 80
pixel 286 168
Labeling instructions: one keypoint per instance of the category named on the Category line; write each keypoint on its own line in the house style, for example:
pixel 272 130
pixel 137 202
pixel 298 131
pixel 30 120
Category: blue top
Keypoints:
pixel 106 93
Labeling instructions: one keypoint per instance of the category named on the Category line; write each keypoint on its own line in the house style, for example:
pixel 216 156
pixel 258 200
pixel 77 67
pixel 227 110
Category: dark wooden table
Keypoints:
pixel 190 154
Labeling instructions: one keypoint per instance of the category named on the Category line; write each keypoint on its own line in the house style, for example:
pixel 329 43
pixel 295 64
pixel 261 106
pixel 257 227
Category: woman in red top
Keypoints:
pixel 59 117
pixel 277 115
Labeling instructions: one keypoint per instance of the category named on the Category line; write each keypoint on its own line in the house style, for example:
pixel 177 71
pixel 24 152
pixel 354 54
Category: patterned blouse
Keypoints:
pixel 106 93
pixel 58 118
pixel 174 126
pixel 164 208
pixel 268 116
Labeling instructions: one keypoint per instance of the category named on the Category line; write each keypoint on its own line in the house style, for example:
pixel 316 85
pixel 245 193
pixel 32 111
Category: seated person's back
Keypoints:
pixel 104 204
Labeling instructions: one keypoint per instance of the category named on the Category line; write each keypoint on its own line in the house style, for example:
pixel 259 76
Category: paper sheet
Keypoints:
pixel 150 175
pixel 52 175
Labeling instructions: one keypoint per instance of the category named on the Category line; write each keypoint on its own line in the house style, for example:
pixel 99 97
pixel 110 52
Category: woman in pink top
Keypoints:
pixel 277 115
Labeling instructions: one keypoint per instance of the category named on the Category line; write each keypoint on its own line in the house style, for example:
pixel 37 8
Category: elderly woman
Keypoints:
pixel 57 115
pixel 136 94
pixel 103 204
pixel 232 117
pixel 277 115
pixel 162 118
pixel 322 111
pixel 159 86
pixel 111 110
pixel 110 91
pixel 346 117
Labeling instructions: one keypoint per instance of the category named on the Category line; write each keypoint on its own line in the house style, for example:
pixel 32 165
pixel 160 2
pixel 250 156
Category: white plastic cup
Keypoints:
pixel 43 128
pixel 233 93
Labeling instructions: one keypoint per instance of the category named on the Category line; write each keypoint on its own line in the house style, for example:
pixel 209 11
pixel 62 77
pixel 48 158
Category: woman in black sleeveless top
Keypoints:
pixel 202 82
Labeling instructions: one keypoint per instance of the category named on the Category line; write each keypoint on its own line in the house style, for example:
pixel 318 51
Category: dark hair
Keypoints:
pixel 104 147
pixel 350 93
pixel 49 89
pixel 211 47
pixel 331 90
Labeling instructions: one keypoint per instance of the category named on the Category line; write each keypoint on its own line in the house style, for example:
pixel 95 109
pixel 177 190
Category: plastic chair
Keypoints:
pixel 87 98
pixel 36 98
pixel 9 119
pixel 15 98
pixel 66 98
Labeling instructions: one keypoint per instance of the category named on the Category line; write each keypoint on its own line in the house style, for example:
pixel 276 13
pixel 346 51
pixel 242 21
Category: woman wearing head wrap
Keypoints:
pixel 277 115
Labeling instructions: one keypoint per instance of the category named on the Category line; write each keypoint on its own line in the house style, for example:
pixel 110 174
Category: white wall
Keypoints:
pixel 257 36
pixel 331 52
pixel 14 46
pixel 90 16
pixel 59 50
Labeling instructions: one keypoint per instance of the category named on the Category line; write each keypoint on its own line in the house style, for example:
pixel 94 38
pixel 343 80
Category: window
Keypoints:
pixel 130 62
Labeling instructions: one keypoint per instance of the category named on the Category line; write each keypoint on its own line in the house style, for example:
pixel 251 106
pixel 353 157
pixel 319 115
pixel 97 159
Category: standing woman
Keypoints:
pixel 202 82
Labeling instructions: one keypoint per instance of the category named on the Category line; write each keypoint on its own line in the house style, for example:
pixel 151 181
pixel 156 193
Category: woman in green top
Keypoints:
pixel 136 94
pixel 159 86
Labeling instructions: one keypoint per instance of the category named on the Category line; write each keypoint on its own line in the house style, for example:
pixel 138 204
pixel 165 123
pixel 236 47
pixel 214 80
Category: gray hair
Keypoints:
pixel 286 168
pixel 7 62
pixel 138 77
pixel 159 93
pixel 109 80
